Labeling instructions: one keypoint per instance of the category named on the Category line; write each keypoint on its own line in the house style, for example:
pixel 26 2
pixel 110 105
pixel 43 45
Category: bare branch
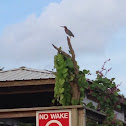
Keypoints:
pixel 62 52
pixel 73 57
pixel 75 86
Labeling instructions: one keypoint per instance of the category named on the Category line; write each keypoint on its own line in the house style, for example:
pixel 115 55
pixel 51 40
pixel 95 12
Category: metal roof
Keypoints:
pixel 24 73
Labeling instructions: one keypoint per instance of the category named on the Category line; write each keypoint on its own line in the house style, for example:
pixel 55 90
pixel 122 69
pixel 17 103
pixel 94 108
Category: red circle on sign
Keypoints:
pixel 53 124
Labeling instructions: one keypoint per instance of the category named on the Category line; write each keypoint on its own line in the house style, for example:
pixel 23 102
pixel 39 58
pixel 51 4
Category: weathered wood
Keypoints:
pixel 73 57
pixel 31 112
pixel 75 90
pixel 74 114
pixel 82 117
pixel 77 112
pixel 74 84
pixel 43 108
pixel 17 114
pixel 26 82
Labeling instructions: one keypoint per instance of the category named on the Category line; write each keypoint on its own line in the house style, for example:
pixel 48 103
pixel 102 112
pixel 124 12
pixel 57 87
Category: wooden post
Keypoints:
pixel 78 117
pixel 82 117
pixel 74 119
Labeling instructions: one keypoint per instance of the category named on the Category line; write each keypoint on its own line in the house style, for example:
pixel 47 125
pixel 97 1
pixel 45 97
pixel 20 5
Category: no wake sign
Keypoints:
pixel 53 118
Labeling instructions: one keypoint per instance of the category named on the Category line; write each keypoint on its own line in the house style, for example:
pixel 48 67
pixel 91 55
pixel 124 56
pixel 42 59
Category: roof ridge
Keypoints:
pixel 9 70
pixel 28 69
pixel 36 70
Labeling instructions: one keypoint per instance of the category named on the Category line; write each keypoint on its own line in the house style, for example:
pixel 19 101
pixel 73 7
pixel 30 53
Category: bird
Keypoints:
pixel 68 32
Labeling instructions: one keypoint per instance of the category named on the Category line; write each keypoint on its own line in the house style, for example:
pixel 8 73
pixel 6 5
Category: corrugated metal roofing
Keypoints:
pixel 24 73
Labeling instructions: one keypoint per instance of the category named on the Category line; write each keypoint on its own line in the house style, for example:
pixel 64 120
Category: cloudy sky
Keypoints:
pixel 29 27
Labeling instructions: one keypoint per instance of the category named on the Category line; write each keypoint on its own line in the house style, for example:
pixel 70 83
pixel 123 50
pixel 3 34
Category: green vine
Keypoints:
pixel 107 96
pixel 83 83
pixel 64 75
pixel 104 90
pixel 62 90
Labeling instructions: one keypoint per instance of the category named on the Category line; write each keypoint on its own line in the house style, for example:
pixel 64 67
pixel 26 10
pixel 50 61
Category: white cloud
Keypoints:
pixel 93 22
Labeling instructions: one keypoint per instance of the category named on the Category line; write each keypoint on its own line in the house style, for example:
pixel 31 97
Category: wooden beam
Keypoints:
pixel 26 89
pixel 31 112
pixel 18 114
pixel 26 82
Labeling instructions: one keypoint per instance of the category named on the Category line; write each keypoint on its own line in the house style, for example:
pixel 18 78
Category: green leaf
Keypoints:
pixel 65 75
pixel 107 100
pixel 75 102
pixel 61 90
pixel 65 70
pixel 94 94
pixel 118 107
pixel 90 105
pixel 86 71
pixel 86 84
pixel 82 89
pixel 81 99
pixel 61 81
pixel 71 77
pixel 53 101
pixel 61 97
pixel 115 93
pixel 69 63
pixel 112 79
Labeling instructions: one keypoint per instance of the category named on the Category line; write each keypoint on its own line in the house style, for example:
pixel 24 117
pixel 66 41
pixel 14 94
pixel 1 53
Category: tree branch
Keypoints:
pixel 73 57
pixel 62 52
pixel 74 85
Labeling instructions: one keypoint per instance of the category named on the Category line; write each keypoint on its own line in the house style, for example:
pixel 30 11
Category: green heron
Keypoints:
pixel 68 32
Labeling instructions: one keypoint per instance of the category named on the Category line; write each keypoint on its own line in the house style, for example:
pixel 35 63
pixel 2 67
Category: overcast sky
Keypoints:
pixel 29 27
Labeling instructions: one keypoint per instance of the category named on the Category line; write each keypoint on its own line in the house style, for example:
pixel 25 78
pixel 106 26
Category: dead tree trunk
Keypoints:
pixel 74 84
